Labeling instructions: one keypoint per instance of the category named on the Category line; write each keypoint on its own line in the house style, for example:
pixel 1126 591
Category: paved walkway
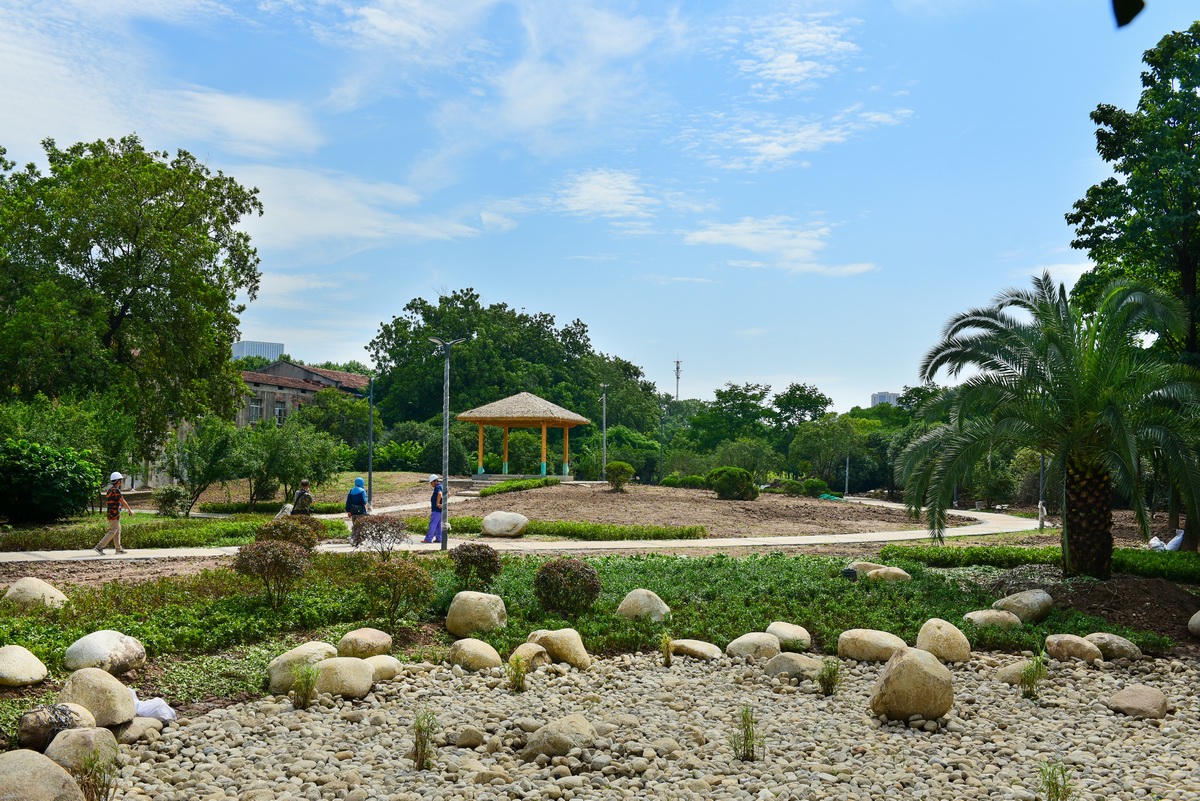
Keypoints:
pixel 989 523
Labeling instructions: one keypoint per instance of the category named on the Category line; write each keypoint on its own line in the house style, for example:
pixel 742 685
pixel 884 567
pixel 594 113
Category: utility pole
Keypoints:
pixel 677 363
pixel 445 348
pixel 371 440
pixel 604 432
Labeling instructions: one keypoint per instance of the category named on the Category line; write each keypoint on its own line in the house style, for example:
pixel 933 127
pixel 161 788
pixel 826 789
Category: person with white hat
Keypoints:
pixel 435 511
pixel 114 500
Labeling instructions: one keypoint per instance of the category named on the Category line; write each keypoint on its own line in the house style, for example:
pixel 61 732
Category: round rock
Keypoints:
pixel 29 776
pixel 696 649
pixel 108 650
pixel 1032 606
pixel 563 645
pixel 19 667
pixel 109 701
pixel 475 611
pixel 1113 647
pixel 534 655
pixel 1140 701
pixel 791 637
pixel 31 593
pixel 74 748
pixel 559 737
pixel 868 645
pixel 755 645
pixel 362 643
pixel 504 524
pixel 1194 625
pixel 944 640
pixel 913 682
pixel 37 727
pixel 888 574
pixel 1065 647
pixel 281 671
pixel 344 676
pixel 475 655
pixel 993 617
pixel 793 666
pixel 643 604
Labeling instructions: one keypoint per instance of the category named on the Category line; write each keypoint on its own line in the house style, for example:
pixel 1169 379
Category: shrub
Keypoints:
pixel 277 564
pixel 380 533
pixel 516 670
pixel 788 487
pixel 746 740
pixel 171 501
pixel 618 475
pixel 829 676
pixel 665 644
pixel 1031 676
pixel 40 484
pixel 814 487
pixel 672 481
pixel 732 484
pixel 299 530
pixel 693 482
pixel 241 507
pixel 517 485
pixel 573 529
pixel 398 587
pixel 424 727
pixel 304 684
pixel 566 585
pixel 97 776
pixel 476 565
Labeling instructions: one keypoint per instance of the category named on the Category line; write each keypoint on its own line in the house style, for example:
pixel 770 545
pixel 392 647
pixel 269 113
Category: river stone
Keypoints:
pixel 386 666
pixel 29 776
pixel 862 568
pixel 868 645
pixel 19 667
pixel 1032 606
pixel 888 574
pixel 1011 674
pixel 362 643
pixel 30 593
pixel 504 524
pixel 475 655
pixel 558 737
pixel 643 605
pixel 696 649
pixel 944 640
pixel 475 611
pixel 1140 701
pixel 993 617
pixel 35 730
pixel 913 682
pixel 794 666
pixel 563 645
pixel 73 748
pixel 281 669
pixel 1113 647
pixel 534 655
pixel 108 650
pixel 755 645
pixel 109 701
pixel 1065 647
pixel 345 676
pixel 136 730
pixel 791 637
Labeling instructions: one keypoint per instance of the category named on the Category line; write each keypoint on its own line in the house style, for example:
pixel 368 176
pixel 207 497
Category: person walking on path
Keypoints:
pixel 435 512
pixel 114 500
pixel 356 506
pixel 303 500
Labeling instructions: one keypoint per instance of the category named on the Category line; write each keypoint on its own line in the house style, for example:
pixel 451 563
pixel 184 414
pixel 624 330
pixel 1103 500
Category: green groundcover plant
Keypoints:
pixel 574 530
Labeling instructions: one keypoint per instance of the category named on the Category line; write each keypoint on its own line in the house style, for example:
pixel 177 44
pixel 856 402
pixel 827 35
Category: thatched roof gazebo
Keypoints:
pixel 525 410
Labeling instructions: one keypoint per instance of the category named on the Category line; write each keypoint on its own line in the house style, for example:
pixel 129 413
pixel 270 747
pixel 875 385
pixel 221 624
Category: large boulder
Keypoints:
pixel 558 737
pixel 475 611
pixel 31 593
pixel 472 654
pixel 38 726
pixel 863 568
pixel 755 645
pixel 913 682
pixel 386 666
pixel 74 748
pixel 19 667
pixel 696 649
pixel 109 701
pixel 137 729
pixel 1113 647
pixel 362 643
pixel 868 645
pixel 563 645
pixel 1140 701
pixel 346 676
pixel 29 776
pixel 1194 625
pixel 888 574
pixel 108 650
pixel 1032 606
pixel 643 605
pixel 1065 647
pixel 791 637
pixel 944 640
pixel 281 671
pixel 993 617
pixel 534 655
pixel 793 666
pixel 504 524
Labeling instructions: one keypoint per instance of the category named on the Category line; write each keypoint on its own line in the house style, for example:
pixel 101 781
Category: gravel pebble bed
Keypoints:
pixel 663 734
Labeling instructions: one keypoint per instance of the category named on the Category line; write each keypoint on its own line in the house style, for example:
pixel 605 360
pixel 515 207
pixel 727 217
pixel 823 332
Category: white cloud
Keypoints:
pixel 605 193
pixel 298 291
pixel 794 53
pixel 786 245
pixel 247 126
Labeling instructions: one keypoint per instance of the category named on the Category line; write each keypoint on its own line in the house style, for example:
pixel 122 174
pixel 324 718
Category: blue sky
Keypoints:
pixel 769 192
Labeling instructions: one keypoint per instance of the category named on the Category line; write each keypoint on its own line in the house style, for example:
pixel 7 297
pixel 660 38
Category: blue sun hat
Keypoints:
pixel 358 482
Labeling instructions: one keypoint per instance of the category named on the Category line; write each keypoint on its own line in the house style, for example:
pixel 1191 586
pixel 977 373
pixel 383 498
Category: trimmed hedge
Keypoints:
pixel 1170 565
pixel 517 485
pixel 271 507
pixel 144 531
pixel 573 530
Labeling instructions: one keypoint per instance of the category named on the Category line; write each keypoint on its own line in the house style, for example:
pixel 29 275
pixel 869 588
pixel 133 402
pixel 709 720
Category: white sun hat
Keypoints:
pixel 432 477
pixel 116 477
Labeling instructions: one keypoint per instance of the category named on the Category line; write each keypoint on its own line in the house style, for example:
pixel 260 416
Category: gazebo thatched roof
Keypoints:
pixel 523 410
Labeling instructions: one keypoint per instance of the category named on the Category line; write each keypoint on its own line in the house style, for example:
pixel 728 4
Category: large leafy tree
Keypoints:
pixel 737 410
pixel 1080 388
pixel 121 268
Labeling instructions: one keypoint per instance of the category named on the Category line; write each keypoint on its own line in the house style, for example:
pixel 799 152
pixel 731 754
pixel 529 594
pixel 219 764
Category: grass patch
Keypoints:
pixel 267 507
pixel 573 530
pixel 145 531
pixel 518 485
pixel 1179 566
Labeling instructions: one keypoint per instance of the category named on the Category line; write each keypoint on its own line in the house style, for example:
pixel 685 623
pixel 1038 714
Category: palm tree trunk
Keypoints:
pixel 1087 520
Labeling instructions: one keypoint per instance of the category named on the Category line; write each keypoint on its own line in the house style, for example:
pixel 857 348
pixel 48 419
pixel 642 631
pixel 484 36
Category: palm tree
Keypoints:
pixel 1081 388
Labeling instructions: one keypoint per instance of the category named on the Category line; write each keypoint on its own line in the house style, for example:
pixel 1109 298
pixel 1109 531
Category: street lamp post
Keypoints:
pixel 603 432
pixel 445 346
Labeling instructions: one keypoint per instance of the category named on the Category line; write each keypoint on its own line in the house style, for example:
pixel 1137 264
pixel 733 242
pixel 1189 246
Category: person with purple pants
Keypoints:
pixel 435 512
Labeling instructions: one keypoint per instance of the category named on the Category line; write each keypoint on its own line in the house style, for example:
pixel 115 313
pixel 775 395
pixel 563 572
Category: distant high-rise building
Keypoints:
pixel 885 397
pixel 268 350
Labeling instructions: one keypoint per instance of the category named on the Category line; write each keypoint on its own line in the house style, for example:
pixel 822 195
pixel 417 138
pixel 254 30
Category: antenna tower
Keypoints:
pixel 677 363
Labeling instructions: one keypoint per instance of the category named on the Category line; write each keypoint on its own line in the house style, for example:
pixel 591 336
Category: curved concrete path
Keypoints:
pixel 989 523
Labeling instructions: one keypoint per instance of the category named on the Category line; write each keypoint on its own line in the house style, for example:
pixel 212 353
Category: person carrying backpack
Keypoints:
pixel 303 500
pixel 356 505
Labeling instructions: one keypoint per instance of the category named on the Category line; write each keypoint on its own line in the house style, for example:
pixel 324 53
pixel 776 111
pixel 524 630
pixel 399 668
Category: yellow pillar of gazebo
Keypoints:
pixel 480 468
pixel 543 449
pixel 566 453
pixel 505 469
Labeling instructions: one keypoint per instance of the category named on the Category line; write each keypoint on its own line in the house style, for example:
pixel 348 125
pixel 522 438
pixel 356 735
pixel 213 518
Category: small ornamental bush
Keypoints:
pixel 618 475
pixel 517 670
pixel 814 487
pixel 693 482
pixel 40 484
pixel 398 587
pixel 566 585
pixel 733 484
pixel 381 534
pixel 672 481
pixel 518 485
pixel 299 530
pixel 476 565
pixel 171 501
pixel 279 565
pixel 304 684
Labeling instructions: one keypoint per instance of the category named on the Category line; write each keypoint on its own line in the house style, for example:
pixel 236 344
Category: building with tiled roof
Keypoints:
pixel 280 388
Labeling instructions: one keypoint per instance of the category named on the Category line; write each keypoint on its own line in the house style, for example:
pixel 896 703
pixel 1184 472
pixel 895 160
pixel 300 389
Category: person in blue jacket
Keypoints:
pixel 356 505
pixel 435 511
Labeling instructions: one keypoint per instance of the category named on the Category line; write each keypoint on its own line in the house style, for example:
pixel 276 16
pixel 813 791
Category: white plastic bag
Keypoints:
pixel 1176 541
pixel 155 708
pixel 1157 545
